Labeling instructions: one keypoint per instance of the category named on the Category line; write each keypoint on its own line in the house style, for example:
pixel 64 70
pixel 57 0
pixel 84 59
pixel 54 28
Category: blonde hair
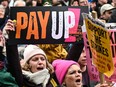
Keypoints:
pixel 50 68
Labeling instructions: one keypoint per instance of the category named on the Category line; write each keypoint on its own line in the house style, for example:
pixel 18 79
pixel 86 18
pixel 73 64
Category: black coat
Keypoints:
pixel 27 83
pixel 1 55
pixel 2 58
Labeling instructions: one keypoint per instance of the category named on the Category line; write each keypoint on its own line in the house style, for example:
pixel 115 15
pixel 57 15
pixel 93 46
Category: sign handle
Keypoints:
pixel 101 75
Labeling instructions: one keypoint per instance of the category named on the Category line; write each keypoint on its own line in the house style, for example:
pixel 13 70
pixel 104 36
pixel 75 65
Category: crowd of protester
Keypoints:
pixel 47 65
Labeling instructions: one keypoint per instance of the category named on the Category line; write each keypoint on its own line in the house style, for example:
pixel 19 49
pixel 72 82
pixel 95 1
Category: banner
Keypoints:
pixel 46 24
pixel 99 42
pixel 92 70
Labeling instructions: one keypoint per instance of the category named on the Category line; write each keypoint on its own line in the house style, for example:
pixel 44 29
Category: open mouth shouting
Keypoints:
pixel 78 81
pixel 40 68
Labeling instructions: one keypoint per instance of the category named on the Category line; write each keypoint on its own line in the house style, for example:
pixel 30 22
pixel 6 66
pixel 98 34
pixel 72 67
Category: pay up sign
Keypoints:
pixel 45 24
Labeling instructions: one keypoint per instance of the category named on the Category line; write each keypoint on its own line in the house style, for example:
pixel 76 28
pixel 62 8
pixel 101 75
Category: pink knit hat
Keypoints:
pixel 61 67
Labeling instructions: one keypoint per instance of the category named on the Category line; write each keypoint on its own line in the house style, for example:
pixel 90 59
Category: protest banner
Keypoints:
pixel 92 70
pixel 99 42
pixel 46 24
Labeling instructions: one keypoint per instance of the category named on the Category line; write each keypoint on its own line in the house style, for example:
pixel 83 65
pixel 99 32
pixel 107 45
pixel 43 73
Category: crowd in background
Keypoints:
pixel 48 65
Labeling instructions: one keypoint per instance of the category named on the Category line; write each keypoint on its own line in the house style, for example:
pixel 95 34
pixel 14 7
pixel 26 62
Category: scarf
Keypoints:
pixel 40 77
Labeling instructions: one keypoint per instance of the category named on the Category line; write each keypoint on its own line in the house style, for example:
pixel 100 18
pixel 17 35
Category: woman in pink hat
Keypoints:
pixel 68 73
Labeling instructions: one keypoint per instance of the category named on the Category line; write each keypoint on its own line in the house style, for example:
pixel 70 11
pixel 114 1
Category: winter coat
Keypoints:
pixel 6 79
pixel 1 55
pixel 54 51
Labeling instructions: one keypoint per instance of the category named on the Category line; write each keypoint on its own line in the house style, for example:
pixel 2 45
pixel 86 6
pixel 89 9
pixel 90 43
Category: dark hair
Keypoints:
pixel 4 0
pixel 72 1
pixel 59 2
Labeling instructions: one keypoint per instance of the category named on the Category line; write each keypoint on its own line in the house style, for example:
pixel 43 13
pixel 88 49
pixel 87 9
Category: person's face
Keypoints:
pixel 83 3
pixel 73 77
pixel 4 3
pixel 37 63
pixel 107 15
pixel 114 1
pixel 54 1
pixel 34 2
pixel 102 1
pixel 82 59
pixel 75 3
pixel 2 12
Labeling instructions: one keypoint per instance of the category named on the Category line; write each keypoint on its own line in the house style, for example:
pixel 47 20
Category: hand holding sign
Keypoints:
pixel 9 25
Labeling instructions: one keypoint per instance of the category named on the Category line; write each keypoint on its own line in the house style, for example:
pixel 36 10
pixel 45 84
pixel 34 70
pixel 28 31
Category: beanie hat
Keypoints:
pixel 32 50
pixel 106 7
pixel 61 67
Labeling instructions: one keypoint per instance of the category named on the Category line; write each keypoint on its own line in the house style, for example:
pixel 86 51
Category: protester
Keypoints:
pixel 5 3
pixel 106 11
pixel 68 73
pixel 36 68
pixel 34 3
pixel 73 3
pixel 83 65
pixel 6 79
pixel 83 3
pixel 93 5
pixel 2 17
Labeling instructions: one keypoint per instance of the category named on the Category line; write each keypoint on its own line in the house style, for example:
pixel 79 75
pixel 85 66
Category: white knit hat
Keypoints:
pixel 32 50
pixel 106 7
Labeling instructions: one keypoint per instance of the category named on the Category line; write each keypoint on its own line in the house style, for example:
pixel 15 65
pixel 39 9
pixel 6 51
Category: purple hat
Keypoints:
pixel 61 67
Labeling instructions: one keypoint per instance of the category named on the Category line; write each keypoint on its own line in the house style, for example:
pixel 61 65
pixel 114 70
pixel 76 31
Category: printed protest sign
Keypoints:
pixel 99 42
pixel 92 71
pixel 46 24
